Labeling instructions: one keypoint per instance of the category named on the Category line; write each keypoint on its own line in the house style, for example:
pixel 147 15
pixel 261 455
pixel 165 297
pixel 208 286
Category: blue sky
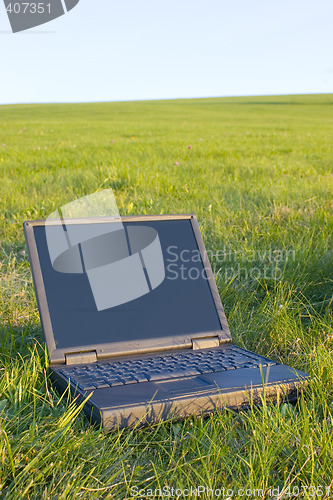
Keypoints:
pixel 104 50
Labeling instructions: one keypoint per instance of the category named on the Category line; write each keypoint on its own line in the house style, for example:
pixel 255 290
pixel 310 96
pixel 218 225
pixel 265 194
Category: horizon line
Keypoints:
pixel 165 99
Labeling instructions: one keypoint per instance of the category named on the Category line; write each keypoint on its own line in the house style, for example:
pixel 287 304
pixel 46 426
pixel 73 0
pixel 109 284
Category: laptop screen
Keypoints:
pixel 145 280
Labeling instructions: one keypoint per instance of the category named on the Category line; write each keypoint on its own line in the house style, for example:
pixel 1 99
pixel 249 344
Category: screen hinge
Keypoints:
pixel 80 358
pixel 205 342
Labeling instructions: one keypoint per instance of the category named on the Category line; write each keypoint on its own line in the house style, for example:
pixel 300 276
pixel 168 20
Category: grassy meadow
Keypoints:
pixel 258 175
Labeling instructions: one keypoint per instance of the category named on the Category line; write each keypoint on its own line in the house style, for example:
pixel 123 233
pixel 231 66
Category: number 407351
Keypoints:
pixel 29 8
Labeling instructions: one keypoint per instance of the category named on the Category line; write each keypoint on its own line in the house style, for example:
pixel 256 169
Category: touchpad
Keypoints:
pixel 191 384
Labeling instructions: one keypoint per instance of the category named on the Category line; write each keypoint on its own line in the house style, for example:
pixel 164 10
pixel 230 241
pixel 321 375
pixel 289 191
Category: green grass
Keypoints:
pixel 259 178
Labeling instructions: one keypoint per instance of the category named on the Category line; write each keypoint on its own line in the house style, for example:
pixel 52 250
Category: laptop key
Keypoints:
pixel 151 376
pixel 96 380
pixel 188 371
pixel 127 379
pixel 204 369
pixel 101 385
pixel 171 374
pixel 81 380
pixel 86 387
pixel 140 377
pixel 217 368
pixel 114 382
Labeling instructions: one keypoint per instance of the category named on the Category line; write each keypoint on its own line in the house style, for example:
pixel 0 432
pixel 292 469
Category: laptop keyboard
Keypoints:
pixel 162 367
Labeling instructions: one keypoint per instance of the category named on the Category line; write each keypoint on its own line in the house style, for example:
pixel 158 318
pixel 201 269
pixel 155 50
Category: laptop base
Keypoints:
pixel 148 402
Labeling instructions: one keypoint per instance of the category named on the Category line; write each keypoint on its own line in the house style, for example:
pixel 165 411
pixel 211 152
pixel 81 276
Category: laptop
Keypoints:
pixel 134 324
